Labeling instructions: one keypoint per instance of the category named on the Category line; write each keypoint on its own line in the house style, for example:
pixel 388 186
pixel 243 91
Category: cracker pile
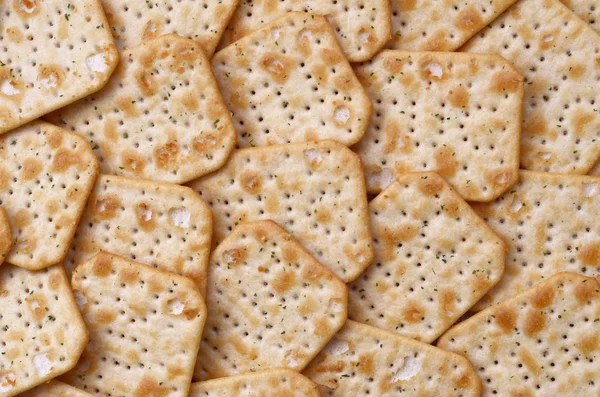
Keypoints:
pixel 255 198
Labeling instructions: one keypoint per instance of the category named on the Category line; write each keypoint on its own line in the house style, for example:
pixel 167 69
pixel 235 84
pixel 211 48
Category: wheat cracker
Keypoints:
pixel 270 304
pixel 588 10
pixel 315 190
pixel 145 326
pixel 559 55
pixel 160 116
pixel 55 388
pixel 542 342
pixel 6 241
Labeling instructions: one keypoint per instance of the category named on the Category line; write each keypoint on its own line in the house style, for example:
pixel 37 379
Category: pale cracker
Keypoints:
pixel 550 223
pixel 6 240
pixel 280 382
pixel 55 388
pixel 42 333
pixel 54 53
pixel 559 55
pixel 139 20
pixel 362 27
pixel 290 82
pixel 145 326
pixel 315 190
pixel 588 10
pixel 424 25
pixel 455 113
pixel 160 116
pixel 434 259
pixel 543 342
pixel 46 175
pixel 364 360
pixel 270 304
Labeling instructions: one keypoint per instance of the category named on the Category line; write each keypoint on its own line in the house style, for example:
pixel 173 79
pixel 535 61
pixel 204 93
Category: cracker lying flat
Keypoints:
pixel 138 20
pixel 6 241
pixel 145 327
pixel 365 359
pixel 559 55
pixel 315 190
pixel 270 304
pixel 455 113
pixel 588 10
pixel 422 25
pixel 543 342
pixel 550 223
pixel 269 383
pixel 434 259
pixel 362 28
pixel 289 82
pixel 42 333
pixel 55 388
pixel 160 117
pixel 159 224
pixel 46 175
pixel 54 53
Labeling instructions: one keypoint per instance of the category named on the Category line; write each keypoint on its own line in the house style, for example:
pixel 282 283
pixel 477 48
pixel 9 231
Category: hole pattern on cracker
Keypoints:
pixel 588 10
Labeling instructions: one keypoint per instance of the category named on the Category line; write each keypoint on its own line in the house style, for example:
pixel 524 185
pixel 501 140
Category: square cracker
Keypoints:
pixel 54 53
pixel 270 383
pixel 362 28
pixel 160 116
pixel 270 304
pixel 136 21
pixel 455 113
pixel 290 82
pixel 55 388
pixel 145 326
pixel 370 361
pixel 434 259
pixel 315 190
pixel 163 225
pixel 588 10
pixel 6 240
pixel 551 223
pixel 43 333
pixel 542 342
pixel 46 175
pixel 559 55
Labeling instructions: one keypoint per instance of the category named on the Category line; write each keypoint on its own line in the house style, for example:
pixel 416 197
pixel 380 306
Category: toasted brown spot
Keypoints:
pixel 437 41
pixel 459 97
pixel 151 30
pixel 234 256
pixel 429 184
pixel 64 159
pixel 534 322
pixel 146 82
pixel 393 64
pixel 277 65
pixel 55 139
pixel 413 312
pixel 250 181
pixel 21 219
pixel 406 5
pixel 589 254
pixel 283 281
pixel 535 124
pixel 506 318
pixel 31 168
pixel 102 266
pixel 37 305
pixel 447 302
pixel 145 216
pixel 166 156
pixel 506 81
pixel 469 19
pixel 588 343
pixel 105 316
pixel 585 291
pixel 581 118
pixel 51 76
pixel 128 275
pixel 446 164
pixel 132 161
pixel 204 142
pixel 127 105
pixel 4 178
pixel 14 34
pixel 105 207
pixel 150 388
pixel 26 8
pixel 530 362
pixel 544 296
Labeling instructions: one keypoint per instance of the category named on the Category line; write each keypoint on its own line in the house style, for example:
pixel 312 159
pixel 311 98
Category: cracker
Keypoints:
pixel 588 10
pixel 270 304
pixel 159 224
pixel 6 241
pixel 362 28
pixel 160 117
pixel 46 175
pixel 42 333
pixel 145 326
pixel 455 113
pixel 434 259
pixel 550 223
pixel 422 25
pixel 595 171
pixel 290 82
pixel 315 190
pixel 54 53
pixel 365 359
pixel 137 21
pixel 543 342
pixel 55 388
pixel 269 383
pixel 559 55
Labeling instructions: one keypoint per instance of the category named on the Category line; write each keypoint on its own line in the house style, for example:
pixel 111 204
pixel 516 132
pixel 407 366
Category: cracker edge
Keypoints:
pixel 5 235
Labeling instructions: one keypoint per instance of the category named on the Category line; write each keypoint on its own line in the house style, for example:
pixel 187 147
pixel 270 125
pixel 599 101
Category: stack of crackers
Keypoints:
pixel 299 198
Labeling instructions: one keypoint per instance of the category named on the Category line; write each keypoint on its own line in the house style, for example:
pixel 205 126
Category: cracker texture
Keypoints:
pixel 588 10
pixel 55 388
pixel 595 171
pixel 6 241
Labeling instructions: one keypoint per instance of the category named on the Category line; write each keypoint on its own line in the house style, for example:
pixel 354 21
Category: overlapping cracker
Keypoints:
pixel 163 225
pixel 53 53
pixel 588 10
pixel 423 25
pixel 559 55
pixel 455 113
pixel 290 82
pixel 364 360
pixel 160 117
pixel 145 326
pixel 46 175
pixel 42 333
pixel 434 259
pixel 6 241
pixel 595 171
pixel 543 342
pixel 315 190
pixel 362 28
pixel 269 383
pixel 270 304
pixel 55 388
pixel 550 223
